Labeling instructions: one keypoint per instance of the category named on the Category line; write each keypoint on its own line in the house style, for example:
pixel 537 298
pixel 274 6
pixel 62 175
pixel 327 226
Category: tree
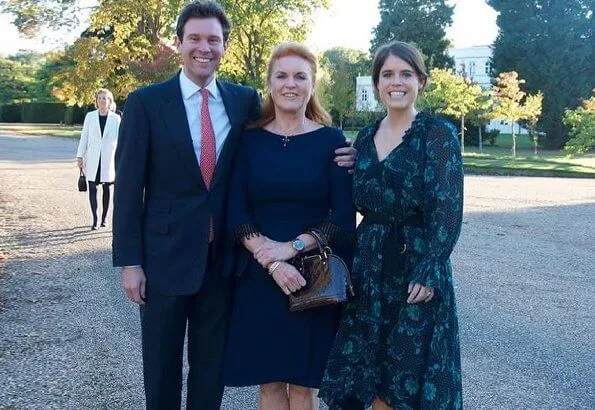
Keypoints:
pixel 482 113
pixel 550 44
pixel 30 16
pixel 422 22
pixel 532 112
pixel 511 104
pixel 128 44
pixel 451 94
pixel 344 65
pixel 14 82
pixel 259 25
pixel 581 122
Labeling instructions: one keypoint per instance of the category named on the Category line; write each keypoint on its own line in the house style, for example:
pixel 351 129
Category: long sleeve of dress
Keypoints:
pixel 339 227
pixel 239 219
pixel 442 206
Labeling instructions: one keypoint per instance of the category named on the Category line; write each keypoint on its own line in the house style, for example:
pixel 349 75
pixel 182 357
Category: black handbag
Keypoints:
pixel 82 182
pixel 327 278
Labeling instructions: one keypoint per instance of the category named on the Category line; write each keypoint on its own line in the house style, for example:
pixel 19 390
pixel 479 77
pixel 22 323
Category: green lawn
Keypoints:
pixel 53 130
pixel 498 160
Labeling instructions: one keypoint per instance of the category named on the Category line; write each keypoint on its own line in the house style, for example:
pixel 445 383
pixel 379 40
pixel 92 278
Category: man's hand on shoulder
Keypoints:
pixel 345 157
pixel 133 283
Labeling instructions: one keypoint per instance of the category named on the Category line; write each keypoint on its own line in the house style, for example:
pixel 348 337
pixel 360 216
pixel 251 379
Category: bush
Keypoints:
pixel 36 112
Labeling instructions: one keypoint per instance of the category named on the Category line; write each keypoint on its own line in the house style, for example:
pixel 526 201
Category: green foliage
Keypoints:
pixel 14 82
pixel 451 94
pixel 422 22
pixel 128 44
pixel 581 122
pixel 259 25
pixel 550 44
pixel 32 15
pixel 513 104
pixel 42 112
pixel 343 66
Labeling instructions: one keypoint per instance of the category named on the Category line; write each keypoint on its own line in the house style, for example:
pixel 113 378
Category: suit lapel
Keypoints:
pixel 232 108
pixel 174 116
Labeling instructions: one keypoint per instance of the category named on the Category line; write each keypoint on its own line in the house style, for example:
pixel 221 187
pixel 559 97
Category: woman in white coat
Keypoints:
pixel 96 150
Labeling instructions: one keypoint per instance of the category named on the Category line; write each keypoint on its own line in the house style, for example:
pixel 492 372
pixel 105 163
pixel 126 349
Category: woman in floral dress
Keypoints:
pixel 398 342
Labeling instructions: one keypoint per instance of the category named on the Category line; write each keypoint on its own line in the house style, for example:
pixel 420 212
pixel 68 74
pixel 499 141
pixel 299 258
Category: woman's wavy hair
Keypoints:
pixel 110 96
pixel 314 111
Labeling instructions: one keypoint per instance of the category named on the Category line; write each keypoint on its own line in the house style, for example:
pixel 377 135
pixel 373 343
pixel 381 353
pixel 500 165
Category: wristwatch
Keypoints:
pixel 298 245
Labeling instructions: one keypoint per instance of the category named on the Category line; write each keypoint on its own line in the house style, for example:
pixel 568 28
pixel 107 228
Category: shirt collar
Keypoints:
pixel 189 88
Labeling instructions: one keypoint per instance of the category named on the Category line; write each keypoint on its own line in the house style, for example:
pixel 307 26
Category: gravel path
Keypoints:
pixel 69 339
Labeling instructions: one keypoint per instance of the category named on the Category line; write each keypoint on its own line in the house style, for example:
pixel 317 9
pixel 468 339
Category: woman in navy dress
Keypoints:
pixel 398 343
pixel 285 183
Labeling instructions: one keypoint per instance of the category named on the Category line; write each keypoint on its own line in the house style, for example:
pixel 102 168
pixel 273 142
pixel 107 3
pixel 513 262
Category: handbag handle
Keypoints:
pixel 323 247
pixel 81 173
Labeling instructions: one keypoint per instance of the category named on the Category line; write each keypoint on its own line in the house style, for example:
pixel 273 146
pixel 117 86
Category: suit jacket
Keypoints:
pixel 92 145
pixel 162 207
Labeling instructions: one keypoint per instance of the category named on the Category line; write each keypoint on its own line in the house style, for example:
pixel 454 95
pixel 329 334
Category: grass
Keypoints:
pixel 47 130
pixel 498 160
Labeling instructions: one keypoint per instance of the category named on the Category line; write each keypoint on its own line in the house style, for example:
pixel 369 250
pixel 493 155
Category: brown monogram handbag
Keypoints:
pixel 327 278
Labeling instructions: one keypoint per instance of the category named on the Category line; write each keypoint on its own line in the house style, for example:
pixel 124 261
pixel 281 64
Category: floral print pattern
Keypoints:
pixel 412 201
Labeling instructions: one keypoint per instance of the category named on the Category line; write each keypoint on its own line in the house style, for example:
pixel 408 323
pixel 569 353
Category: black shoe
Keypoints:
pixel 94 228
pixel 103 224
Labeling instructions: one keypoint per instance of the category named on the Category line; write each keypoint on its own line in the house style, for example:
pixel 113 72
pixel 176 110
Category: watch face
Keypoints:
pixel 298 245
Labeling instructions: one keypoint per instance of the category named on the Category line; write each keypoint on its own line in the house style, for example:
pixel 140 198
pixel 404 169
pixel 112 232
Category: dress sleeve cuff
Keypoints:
pixel 246 231
pixel 335 235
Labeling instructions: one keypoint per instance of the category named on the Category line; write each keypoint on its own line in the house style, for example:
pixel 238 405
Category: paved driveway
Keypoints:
pixel 524 270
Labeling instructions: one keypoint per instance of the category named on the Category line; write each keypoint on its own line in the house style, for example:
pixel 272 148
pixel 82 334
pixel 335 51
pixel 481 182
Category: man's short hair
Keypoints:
pixel 203 10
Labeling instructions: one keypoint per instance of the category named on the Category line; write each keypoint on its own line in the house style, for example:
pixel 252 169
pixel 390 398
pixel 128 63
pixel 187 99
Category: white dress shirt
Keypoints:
pixel 193 102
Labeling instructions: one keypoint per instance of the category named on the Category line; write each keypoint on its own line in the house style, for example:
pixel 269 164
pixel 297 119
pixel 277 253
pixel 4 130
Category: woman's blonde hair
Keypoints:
pixel 314 111
pixel 109 95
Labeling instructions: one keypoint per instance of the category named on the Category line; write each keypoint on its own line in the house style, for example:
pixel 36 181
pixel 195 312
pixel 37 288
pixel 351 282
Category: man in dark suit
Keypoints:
pixel 176 146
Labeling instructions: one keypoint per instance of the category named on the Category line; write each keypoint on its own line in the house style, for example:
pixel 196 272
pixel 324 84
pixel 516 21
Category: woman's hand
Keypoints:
pixel 419 293
pixel 271 251
pixel 288 278
pixel 79 162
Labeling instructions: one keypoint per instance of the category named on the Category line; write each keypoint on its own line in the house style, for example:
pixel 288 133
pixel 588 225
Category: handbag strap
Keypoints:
pixel 320 241
pixel 82 174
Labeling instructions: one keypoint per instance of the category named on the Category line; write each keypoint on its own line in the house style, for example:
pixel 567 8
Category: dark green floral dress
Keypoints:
pixel 412 202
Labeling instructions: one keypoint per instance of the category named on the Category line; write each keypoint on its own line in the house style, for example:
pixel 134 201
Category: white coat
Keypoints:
pixel 92 145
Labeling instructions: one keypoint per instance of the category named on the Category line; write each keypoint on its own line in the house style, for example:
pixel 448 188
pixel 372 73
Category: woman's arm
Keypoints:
pixel 442 206
pixel 338 229
pixel 339 226
pixel 82 147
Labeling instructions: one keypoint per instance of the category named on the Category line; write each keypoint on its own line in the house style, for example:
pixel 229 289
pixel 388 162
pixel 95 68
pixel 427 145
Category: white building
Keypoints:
pixel 473 63
pixel 470 62
pixel 365 98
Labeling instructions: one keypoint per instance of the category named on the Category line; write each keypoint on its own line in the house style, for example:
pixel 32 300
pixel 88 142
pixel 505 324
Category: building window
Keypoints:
pixel 488 68
pixel 472 68
pixel 364 95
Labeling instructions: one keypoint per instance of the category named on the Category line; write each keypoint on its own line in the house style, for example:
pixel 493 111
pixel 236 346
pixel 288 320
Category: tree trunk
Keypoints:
pixel 341 121
pixel 68 115
pixel 480 141
pixel 513 141
pixel 463 134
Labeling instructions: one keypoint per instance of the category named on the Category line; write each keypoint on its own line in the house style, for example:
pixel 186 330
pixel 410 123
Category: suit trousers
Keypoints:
pixel 164 321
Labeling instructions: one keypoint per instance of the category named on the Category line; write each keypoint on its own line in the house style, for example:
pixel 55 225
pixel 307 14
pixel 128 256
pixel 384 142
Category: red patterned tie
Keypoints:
pixel 208 153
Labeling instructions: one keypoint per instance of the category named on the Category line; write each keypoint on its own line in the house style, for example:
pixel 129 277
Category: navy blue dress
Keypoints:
pixel 280 188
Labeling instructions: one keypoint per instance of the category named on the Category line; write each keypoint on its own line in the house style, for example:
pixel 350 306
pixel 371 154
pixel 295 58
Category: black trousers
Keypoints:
pixel 164 322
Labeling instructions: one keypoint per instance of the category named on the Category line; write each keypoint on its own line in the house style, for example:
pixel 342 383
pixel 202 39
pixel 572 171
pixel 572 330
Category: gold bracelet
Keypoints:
pixel 273 266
